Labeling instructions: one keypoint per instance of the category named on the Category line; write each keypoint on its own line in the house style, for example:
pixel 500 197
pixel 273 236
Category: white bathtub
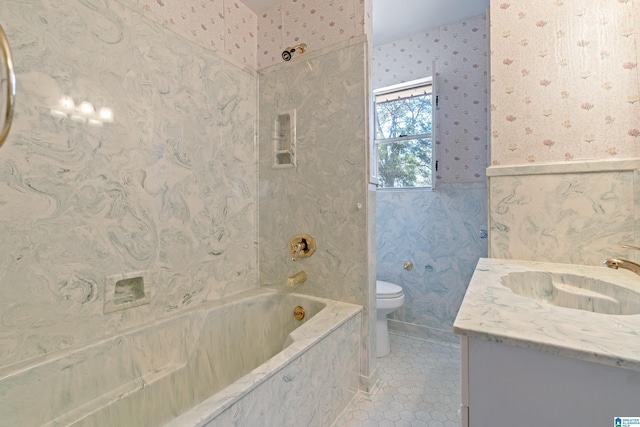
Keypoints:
pixel 241 361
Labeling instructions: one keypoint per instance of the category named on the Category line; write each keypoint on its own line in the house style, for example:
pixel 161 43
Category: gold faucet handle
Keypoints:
pixel 630 247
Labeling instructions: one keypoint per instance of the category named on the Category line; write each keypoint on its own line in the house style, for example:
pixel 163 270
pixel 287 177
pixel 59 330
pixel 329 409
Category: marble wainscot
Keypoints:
pixel 243 360
pixel 529 359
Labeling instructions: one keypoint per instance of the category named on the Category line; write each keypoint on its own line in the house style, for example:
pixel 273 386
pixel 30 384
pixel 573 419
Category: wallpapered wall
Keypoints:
pixel 565 81
pixel 565 114
pixel 319 26
pixel 440 231
pixel 460 51
pixel 258 40
pixel 223 25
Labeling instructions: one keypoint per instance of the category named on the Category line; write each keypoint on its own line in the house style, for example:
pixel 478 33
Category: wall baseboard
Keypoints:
pixel 424 332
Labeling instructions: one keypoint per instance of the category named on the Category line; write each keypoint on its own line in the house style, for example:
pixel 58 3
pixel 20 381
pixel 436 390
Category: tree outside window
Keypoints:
pixel 403 137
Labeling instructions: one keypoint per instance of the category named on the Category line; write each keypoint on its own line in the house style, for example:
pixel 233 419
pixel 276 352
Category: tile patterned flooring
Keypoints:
pixel 419 387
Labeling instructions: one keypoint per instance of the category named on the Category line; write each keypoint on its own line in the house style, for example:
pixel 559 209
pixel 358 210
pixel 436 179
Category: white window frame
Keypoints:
pixel 399 91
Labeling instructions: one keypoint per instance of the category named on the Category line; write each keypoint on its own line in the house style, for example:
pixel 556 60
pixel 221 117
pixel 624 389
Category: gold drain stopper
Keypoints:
pixel 298 313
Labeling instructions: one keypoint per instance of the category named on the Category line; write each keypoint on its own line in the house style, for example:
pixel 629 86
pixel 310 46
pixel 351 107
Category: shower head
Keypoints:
pixel 288 52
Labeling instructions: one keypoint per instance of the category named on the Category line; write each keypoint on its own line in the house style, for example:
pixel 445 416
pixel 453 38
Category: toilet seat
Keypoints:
pixel 386 290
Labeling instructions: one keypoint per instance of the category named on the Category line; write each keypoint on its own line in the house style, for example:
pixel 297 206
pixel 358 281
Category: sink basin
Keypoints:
pixel 574 291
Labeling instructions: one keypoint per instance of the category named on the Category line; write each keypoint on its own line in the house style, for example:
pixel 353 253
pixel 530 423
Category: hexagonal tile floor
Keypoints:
pixel 419 387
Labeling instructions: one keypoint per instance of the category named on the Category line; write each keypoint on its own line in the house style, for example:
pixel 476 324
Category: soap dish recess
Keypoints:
pixel 125 291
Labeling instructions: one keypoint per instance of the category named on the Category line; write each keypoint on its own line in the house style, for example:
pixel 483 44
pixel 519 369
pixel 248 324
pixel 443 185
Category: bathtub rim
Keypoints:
pixel 11 369
pixel 332 316
pixel 207 410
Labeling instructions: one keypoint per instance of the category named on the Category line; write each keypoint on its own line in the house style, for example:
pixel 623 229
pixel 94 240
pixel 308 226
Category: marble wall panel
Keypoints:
pixel 166 191
pixel 576 218
pixel 325 196
pixel 441 233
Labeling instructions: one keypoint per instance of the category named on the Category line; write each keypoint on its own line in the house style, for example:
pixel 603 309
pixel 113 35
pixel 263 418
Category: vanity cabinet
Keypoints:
pixel 504 385
pixel 530 359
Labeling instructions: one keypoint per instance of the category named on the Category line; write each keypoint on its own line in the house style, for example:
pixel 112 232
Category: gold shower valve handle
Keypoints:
pixel 302 246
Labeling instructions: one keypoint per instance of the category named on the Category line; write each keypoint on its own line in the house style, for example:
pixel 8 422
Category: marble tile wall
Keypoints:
pixel 578 213
pixel 167 191
pixel 440 232
pixel 325 196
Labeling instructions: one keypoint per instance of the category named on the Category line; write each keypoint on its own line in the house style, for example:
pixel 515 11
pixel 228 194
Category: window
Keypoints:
pixel 403 143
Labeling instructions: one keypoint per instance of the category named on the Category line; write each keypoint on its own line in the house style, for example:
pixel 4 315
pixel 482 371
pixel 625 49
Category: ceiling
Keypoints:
pixel 397 19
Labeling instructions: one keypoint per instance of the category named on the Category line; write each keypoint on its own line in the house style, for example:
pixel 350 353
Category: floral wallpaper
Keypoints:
pixel 460 51
pixel 223 25
pixel 564 83
pixel 258 40
pixel 318 24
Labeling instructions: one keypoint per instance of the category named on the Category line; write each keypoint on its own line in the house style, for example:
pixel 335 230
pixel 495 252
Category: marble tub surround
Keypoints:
pixel 208 358
pixel 167 191
pixel 492 312
pixel 325 195
pixel 569 212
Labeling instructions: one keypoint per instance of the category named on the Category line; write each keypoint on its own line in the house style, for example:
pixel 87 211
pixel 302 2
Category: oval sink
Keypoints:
pixel 574 291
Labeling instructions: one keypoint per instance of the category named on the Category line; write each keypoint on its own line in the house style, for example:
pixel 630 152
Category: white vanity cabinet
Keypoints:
pixel 510 386
pixel 531 362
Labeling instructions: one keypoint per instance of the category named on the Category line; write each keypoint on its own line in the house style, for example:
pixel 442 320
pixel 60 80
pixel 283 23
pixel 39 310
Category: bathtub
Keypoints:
pixel 243 361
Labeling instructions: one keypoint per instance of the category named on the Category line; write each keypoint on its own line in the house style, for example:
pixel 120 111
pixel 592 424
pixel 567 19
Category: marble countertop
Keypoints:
pixel 492 312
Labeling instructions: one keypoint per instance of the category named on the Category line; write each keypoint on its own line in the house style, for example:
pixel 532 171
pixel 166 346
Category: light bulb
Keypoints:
pixel 106 114
pixel 67 104
pixel 86 108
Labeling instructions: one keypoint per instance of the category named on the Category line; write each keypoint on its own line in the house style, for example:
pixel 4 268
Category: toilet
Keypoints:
pixel 389 297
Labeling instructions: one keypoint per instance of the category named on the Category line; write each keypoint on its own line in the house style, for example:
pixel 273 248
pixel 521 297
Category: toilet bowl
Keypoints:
pixel 389 297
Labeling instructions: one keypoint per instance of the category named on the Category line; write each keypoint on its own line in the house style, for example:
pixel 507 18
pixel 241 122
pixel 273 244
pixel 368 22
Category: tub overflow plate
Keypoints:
pixel 298 313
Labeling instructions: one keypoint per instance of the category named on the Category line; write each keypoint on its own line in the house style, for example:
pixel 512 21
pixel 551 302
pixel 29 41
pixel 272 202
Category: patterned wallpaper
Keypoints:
pixel 293 22
pixel 223 25
pixel 460 51
pixel 564 81
pixel 258 40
